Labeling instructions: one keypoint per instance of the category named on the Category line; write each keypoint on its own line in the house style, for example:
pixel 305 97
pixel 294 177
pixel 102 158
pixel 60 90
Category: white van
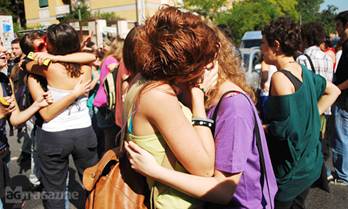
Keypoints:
pixel 251 63
pixel 251 39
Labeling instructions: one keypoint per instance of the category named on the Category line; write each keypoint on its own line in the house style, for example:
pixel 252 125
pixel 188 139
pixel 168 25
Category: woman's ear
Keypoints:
pixel 277 47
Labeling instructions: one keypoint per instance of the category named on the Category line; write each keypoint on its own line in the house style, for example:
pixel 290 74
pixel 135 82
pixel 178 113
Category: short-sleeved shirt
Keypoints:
pixel 236 152
pixel 294 129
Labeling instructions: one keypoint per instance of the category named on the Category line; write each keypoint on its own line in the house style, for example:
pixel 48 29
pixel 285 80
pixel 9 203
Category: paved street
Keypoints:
pixel 337 199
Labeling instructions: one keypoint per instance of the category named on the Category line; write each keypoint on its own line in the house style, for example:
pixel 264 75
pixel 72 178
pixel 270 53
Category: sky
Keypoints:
pixel 340 4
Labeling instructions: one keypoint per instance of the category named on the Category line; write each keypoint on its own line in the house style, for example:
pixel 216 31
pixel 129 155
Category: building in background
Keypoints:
pixel 45 12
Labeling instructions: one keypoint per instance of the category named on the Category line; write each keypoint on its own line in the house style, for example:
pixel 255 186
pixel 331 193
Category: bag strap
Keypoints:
pixel 257 134
pixel 92 174
pixel 310 62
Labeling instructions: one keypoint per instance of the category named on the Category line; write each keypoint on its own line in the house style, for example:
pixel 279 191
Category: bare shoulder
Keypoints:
pixel 281 85
pixel 161 92
pixel 159 97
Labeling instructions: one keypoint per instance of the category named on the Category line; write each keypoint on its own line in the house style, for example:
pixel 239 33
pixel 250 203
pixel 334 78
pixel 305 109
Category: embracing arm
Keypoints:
pixel 329 97
pixel 184 141
pixel 18 117
pixel 77 57
pixel 219 188
pixel 51 111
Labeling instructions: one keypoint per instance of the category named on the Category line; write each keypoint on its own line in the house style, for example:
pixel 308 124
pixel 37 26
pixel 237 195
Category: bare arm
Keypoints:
pixel 18 117
pixel 78 57
pixel 57 107
pixel 329 97
pixel 218 189
pixel 343 86
pixel 184 141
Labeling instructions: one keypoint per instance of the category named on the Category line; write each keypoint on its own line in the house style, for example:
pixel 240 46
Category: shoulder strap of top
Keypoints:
pixel 293 79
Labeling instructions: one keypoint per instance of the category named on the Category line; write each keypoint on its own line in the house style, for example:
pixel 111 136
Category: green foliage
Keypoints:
pixel 5 7
pixel 254 15
pixel 108 16
pixel 309 9
pixel 206 8
pixel 74 15
pixel 286 7
pixel 327 18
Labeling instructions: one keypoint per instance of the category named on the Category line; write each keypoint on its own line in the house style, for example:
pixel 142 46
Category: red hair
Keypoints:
pixel 174 46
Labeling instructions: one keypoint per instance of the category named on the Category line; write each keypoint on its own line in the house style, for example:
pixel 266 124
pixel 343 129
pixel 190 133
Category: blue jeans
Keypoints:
pixel 340 144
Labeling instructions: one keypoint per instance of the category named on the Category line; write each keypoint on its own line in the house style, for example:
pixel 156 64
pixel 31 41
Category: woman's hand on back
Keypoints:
pixel 44 100
pixel 82 88
pixel 141 161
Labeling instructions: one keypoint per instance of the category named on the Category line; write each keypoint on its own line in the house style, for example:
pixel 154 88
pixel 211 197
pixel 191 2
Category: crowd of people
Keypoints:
pixel 179 92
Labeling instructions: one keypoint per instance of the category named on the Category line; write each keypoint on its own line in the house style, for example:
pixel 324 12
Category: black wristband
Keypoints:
pixel 206 123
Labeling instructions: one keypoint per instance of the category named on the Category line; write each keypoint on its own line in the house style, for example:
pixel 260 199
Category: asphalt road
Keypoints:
pixel 337 199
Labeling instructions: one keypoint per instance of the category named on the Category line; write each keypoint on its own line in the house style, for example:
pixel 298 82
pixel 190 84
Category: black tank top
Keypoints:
pixel 293 79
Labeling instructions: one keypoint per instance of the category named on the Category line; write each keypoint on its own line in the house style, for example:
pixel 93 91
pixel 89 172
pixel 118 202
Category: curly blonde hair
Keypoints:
pixel 229 67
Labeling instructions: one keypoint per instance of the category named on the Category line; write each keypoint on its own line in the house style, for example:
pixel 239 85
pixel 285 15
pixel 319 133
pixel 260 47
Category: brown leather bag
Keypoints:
pixel 113 184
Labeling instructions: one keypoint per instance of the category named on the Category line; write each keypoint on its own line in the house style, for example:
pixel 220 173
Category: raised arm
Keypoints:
pixel 78 57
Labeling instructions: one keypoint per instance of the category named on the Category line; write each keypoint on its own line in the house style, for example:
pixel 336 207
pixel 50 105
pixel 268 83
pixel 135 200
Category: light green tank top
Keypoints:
pixel 162 196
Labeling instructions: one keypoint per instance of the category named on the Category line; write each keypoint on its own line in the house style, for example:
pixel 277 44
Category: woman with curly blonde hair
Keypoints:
pixel 243 176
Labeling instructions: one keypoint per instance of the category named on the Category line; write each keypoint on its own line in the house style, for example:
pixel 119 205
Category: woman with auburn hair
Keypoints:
pixel 173 51
pixel 237 180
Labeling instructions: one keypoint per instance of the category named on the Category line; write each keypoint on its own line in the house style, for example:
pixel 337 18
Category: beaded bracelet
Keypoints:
pixel 203 122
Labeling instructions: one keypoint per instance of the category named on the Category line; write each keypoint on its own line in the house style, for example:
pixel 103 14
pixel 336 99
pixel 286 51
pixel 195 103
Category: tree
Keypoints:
pixel 206 8
pixel 15 8
pixel 74 15
pixel 327 18
pixel 308 9
pixel 254 15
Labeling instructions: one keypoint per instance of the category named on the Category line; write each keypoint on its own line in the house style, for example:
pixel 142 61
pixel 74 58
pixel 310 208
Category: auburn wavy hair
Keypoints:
pixel 229 68
pixel 174 47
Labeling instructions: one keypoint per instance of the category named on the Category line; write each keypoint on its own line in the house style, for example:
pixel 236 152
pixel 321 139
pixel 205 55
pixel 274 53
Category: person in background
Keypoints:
pixel 105 117
pixel 67 131
pixel 292 114
pixel 340 141
pixel 16 117
pixel 328 47
pixel 266 75
pixel 126 72
pixel 313 37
